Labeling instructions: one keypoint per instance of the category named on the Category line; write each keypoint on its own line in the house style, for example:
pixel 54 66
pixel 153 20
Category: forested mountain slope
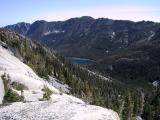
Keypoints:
pixel 137 64
pixel 127 100
pixel 36 97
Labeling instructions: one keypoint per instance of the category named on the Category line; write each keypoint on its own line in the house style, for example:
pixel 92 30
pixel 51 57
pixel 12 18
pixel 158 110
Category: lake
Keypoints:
pixel 81 61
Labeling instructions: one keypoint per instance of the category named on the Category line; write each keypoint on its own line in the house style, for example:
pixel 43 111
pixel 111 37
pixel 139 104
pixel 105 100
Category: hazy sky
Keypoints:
pixel 13 11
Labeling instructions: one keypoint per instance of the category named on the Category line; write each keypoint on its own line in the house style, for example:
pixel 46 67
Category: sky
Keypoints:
pixel 14 11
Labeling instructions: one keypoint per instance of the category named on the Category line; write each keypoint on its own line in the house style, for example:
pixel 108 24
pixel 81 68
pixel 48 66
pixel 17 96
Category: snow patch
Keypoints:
pixel 113 35
pixel 156 83
pixel 139 118
pixel 53 32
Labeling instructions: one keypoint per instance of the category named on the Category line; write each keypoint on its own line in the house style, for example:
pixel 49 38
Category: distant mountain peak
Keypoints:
pixel 83 36
pixel 20 27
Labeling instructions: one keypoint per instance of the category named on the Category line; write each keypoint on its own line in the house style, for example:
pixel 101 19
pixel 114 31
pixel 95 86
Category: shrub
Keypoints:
pixel 10 95
pixel 19 86
pixel 47 93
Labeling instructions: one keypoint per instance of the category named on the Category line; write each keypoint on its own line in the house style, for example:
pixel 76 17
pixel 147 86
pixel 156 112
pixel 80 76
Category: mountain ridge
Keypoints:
pixel 81 37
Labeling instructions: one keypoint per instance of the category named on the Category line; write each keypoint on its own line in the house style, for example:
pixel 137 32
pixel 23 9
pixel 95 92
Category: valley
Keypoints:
pixel 115 64
pixel 118 48
pixel 80 60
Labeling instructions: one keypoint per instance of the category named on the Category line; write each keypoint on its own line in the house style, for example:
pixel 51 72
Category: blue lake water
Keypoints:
pixel 81 61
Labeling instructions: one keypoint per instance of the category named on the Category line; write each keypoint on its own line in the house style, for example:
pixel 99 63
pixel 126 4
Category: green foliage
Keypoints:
pixel 19 86
pixel 47 93
pixel 37 59
pixel 10 95
pixel 152 106
pixel 5 82
pixel 95 90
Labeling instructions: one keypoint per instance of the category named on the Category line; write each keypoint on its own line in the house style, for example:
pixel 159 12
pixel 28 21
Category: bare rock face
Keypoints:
pixel 61 107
